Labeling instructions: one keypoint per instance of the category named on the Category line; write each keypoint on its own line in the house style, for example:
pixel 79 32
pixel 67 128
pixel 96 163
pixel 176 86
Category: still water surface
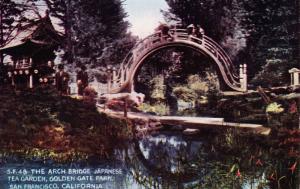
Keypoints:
pixel 168 161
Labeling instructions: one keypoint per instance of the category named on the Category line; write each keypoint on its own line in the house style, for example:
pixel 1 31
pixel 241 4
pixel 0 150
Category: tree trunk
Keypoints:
pixel 68 33
pixel 298 45
pixel 1 36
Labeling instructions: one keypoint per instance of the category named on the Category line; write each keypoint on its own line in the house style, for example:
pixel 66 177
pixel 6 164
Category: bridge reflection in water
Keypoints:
pixel 177 161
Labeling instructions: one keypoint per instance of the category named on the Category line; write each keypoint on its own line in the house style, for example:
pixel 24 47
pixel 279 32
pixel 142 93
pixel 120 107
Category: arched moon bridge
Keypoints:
pixel 123 79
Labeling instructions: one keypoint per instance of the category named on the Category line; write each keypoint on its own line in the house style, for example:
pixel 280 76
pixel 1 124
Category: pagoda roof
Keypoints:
pixel 40 32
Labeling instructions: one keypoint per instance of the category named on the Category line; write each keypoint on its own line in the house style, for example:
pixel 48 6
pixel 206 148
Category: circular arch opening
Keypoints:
pixel 226 82
pixel 174 78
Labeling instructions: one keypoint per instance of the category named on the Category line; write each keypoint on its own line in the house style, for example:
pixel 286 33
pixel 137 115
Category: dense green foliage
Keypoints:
pixel 273 40
pixel 215 17
pixel 229 160
pixel 11 14
pixel 61 127
pixel 269 28
pixel 7 11
pixel 94 30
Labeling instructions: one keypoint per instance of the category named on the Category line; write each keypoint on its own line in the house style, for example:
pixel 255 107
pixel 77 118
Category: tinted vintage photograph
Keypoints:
pixel 149 94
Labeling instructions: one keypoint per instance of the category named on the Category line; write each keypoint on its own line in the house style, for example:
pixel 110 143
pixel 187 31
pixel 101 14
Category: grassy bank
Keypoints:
pixel 41 124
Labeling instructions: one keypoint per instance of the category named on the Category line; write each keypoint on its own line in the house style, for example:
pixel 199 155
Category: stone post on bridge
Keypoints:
pixel 109 78
pixel 294 77
pixel 243 77
pixel 122 76
pixel 127 74
pixel 114 77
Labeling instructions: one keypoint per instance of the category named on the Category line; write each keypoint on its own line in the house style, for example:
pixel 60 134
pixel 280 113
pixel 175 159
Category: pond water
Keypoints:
pixel 166 160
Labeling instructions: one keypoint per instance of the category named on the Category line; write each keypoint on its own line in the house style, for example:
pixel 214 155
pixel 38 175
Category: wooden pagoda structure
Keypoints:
pixel 31 48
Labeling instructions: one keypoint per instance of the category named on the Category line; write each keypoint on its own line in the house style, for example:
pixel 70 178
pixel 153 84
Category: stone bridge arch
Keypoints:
pixel 123 79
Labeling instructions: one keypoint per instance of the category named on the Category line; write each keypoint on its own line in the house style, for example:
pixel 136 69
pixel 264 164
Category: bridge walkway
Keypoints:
pixel 188 122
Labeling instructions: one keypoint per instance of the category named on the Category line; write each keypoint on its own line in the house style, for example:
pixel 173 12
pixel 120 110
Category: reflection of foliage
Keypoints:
pixel 218 172
pixel 163 167
pixel 233 162
pixel 229 138
pixel 258 157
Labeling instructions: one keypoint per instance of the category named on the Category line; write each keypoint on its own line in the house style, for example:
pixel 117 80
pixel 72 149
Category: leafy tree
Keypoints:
pixel 64 10
pixel 264 32
pixel 272 42
pixel 221 20
pixel 102 28
pixel 12 14
pixel 94 30
pixel 215 17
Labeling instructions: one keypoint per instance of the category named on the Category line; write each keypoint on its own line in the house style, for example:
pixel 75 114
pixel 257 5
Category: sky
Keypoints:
pixel 144 15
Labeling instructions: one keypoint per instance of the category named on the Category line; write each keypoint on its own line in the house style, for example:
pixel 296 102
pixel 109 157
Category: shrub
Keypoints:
pixel 158 108
pixel 184 93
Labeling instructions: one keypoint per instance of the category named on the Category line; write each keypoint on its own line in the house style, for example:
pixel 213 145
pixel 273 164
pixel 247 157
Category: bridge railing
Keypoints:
pixel 136 50
pixel 174 34
pixel 222 53
pixel 214 48
pixel 219 53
